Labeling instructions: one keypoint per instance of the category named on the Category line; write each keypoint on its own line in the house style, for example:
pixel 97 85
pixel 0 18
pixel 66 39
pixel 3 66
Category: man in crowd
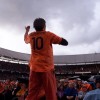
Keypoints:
pixel 94 94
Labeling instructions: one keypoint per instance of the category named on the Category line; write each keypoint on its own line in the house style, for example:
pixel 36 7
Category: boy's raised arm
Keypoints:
pixel 26 36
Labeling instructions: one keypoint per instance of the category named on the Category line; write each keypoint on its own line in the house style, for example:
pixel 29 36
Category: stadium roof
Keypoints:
pixel 13 54
pixel 58 59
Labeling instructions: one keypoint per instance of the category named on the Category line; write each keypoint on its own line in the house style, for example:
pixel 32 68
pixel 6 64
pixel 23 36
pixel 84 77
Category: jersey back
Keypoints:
pixel 41 59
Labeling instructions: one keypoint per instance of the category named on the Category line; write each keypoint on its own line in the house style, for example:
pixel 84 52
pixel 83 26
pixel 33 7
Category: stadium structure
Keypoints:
pixel 15 64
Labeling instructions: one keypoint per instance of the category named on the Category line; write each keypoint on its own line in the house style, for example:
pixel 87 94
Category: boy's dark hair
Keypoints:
pixel 39 24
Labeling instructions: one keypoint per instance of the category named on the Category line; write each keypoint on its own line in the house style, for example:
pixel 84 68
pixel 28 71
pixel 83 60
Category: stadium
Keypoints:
pixel 15 64
pixel 14 68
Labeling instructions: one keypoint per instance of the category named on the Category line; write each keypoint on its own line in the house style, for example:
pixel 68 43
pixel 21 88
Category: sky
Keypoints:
pixel 78 21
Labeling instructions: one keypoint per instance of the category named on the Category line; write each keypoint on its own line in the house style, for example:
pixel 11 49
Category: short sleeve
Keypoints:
pixel 55 39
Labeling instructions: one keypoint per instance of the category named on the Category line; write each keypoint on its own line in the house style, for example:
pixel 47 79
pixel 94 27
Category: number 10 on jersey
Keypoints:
pixel 37 43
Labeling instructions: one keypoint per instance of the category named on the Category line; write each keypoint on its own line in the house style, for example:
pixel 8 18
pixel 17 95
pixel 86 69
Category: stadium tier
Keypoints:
pixel 15 64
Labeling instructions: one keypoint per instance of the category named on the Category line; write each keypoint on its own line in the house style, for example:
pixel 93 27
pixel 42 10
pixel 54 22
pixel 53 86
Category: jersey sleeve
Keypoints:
pixel 55 39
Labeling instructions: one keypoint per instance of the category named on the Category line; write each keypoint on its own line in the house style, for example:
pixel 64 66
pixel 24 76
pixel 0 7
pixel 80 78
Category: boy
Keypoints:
pixel 41 60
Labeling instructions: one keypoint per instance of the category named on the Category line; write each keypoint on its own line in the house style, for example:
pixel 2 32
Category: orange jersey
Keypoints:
pixel 41 59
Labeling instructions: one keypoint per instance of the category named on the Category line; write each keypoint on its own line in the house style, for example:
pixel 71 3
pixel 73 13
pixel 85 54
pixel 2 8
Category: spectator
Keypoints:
pixel 82 92
pixel 94 94
pixel 60 92
pixel 79 84
pixel 16 89
pixel 7 92
pixel 71 92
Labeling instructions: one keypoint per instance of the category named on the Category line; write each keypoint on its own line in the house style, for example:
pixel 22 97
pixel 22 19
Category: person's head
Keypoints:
pixel 66 82
pixel 84 88
pixel 97 81
pixel 60 87
pixel 39 24
pixel 79 82
pixel 71 85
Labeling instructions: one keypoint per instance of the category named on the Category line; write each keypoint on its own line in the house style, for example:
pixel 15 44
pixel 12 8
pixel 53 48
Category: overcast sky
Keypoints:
pixel 78 21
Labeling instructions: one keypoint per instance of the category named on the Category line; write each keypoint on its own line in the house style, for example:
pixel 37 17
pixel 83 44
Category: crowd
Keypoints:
pixel 77 68
pixel 14 67
pixel 58 68
pixel 73 89
pixel 12 70
pixel 13 89
pixel 67 89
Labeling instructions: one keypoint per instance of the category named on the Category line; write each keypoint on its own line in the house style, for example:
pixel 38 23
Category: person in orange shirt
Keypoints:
pixel 41 60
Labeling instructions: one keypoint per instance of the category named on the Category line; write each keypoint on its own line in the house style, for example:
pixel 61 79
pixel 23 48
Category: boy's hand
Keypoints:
pixel 27 28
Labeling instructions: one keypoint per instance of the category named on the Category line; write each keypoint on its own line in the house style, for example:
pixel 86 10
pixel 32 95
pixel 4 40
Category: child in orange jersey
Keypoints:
pixel 41 60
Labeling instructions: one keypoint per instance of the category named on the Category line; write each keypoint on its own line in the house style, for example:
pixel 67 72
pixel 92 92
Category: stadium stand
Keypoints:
pixel 14 73
pixel 16 63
